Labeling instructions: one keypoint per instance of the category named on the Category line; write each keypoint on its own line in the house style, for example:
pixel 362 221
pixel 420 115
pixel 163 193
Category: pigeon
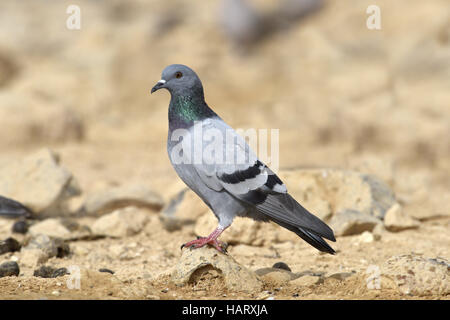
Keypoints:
pixel 226 174
pixel 12 209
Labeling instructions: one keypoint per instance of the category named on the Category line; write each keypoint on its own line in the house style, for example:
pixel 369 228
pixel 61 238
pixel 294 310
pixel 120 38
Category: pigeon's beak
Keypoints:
pixel 158 85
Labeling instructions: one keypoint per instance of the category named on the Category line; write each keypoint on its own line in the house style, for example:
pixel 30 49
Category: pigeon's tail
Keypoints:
pixel 288 213
pixel 13 209
pixel 309 236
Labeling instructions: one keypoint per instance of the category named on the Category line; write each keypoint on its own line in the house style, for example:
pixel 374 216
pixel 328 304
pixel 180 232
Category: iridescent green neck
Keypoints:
pixel 185 110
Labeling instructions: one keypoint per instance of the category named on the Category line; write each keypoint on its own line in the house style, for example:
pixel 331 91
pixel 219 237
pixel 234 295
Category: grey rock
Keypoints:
pixel 50 227
pixel 51 247
pixel 197 265
pixel 397 220
pixel 40 183
pixel 275 276
pixel 50 272
pixel 9 245
pixel 351 222
pixel 416 275
pixel 241 23
pixel 20 227
pixel 106 270
pixel 37 121
pixel 137 195
pixel 327 192
pixel 9 268
pixel 281 265
pixel 121 223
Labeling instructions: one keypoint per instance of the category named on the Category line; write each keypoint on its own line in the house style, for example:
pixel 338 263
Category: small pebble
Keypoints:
pixel 56 293
pixel 9 245
pixel 60 272
pixel 50 272
pixel 281 265
pixel 20 227
pixel 63 248
pixel 106 270
pixel 9 268
pixel 44 272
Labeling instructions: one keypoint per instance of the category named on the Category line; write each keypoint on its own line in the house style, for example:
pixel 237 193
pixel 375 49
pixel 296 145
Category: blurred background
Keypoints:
pixel 342 95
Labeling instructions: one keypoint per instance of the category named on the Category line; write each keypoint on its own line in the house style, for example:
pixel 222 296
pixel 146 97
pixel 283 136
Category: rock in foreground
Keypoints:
pixel 205 263
pixel 415 275
pixel 121 223
pixel 40 183
pixel 119 197
pixel 9 268
pixel 397 220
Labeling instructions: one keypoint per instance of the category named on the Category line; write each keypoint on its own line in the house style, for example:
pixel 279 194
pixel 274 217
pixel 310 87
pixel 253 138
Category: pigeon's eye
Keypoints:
pixel 178 75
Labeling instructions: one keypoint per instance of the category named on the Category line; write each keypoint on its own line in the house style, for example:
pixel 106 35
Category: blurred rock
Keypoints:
pixel 61 228
pixel 137 195
pixel 397 220
pixel 274 276
pixel 121 223
pixel 44 243
pixel 415 275
pixel 305 281
pixel 9 268
pixel 9 245
pixel 106 270
pixel 245 25
pixel 295 9
pixel 184 208
pixel 33 257
pixel 328 191
pixel 40 183
pixel 350 222
pixel 104 282
pixel 50 227
pixel 50 272
pixel 241 23
pixel 37 121
pixel 8 68
pixel 20 226
pixel 341 276
pixel 376 166
pixel 365 237
pixel 378 231
pixel 281 265
pixel 202 264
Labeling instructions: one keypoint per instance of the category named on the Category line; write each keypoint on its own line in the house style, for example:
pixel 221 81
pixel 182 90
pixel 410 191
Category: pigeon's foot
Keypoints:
pixel 211 240
pixel 201 241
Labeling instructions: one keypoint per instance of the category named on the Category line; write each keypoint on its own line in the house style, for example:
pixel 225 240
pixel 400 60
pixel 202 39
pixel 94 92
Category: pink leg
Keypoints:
pixel 211 239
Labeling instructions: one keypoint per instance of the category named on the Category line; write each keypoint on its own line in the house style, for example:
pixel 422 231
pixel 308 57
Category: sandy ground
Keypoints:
pixel 339 93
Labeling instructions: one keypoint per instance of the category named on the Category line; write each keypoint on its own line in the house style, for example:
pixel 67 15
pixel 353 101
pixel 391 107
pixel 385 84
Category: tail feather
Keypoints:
pixel 309 236
pixel 284 208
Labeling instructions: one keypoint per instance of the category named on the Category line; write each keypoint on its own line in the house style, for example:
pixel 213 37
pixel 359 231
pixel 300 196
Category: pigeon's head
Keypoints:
pixel 179 80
